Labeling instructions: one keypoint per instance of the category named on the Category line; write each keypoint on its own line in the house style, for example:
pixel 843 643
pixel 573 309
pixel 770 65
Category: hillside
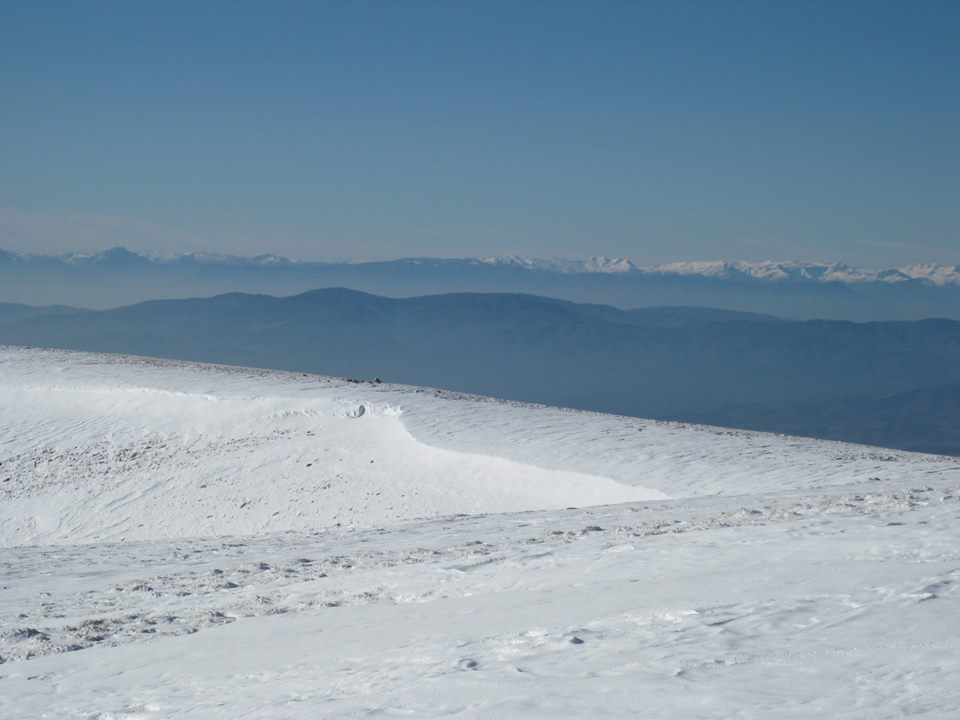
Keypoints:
pixel 686 364
pixel 196 541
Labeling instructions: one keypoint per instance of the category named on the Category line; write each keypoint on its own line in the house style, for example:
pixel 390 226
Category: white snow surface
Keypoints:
pixel 191 541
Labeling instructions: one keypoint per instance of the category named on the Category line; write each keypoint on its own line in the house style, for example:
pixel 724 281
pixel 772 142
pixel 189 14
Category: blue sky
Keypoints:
pixel 822 131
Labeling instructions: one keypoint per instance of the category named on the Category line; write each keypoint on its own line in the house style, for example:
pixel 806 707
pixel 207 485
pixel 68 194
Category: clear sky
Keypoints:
pixel 822 131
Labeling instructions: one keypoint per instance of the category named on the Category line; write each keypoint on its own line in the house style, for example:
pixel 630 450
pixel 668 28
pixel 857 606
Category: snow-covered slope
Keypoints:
pixel 203 542
pixel 94 451
pixel 110 449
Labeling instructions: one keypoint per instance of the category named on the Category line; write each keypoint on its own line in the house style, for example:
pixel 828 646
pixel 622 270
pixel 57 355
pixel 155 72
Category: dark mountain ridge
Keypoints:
pixel 820 378
pixel 793 290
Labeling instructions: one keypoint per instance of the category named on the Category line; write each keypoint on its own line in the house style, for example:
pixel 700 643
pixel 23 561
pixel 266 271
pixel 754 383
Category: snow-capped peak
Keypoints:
pixel 594 264
pixel 808 272
pixel 933 273
pixel 765 270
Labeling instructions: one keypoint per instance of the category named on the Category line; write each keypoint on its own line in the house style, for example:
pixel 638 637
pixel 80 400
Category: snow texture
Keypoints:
pixel 194 541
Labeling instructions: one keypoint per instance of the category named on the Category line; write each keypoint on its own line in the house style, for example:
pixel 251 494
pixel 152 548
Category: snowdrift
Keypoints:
pixel 104 448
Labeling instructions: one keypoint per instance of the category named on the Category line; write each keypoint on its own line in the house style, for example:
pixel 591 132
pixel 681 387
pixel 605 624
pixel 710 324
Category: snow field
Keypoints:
pixel 93 463
pixel 185 541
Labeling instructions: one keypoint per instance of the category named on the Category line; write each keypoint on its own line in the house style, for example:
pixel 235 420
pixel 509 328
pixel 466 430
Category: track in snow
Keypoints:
pixel 736 574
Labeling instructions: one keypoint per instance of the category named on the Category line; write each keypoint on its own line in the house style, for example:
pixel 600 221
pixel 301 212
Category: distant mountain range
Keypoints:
pixel 119 257
pixel 889 383
pixel 788 289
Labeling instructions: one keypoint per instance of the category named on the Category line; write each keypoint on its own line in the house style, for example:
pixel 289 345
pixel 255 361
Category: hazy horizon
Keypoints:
pixel 639 262
pixel 657 131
